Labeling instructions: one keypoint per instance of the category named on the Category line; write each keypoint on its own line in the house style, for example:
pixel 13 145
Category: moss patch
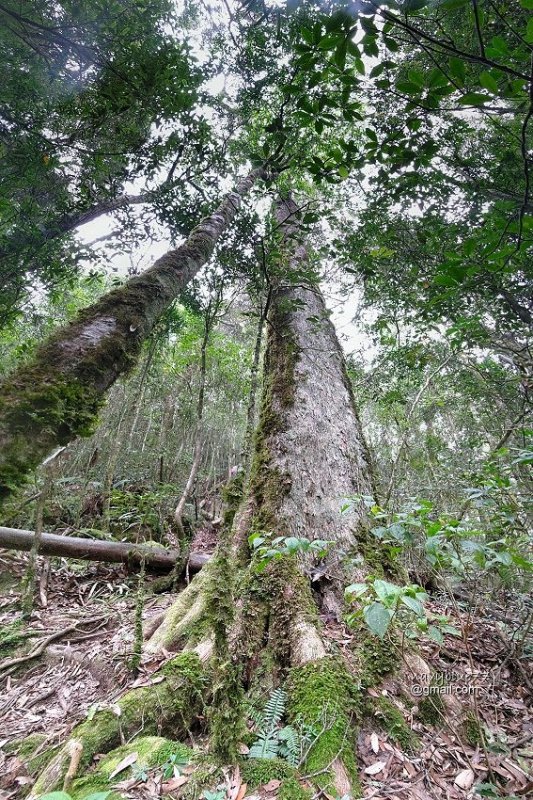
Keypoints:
pixel 290 789
pixel 258 771
pixel 323 692
pixel 25 749
pixel 378 657
pixel 166 706
pixel 473 730
pixel 152 751
pixel 431 709
pixel 392 721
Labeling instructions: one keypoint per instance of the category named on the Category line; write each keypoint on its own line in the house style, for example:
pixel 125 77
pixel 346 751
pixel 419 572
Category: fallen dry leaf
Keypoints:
pixel 272 785
pixel 174 783
pixel 374 742
pixel 373 769
pixel 126 762
pixel 465 779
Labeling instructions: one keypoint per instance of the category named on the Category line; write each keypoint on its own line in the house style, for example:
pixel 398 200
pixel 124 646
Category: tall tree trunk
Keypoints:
pixel 56 396
pixel 254 627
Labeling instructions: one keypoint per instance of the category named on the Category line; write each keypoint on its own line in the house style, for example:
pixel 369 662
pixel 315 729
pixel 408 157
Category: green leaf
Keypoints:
pixel 527 4
pixel 377 619
pixel 406 87
pixel 529 31
pixel 457 70
pixel 330 41
pixel 343 171
pixel 355 590
pixel 55 796
pixel 473 99
pixel 386 591
pixel 414 605
pixel 97 796
pixel 435 634
pixel 487 81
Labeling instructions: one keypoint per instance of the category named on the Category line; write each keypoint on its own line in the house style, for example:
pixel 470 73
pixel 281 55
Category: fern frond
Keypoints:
pixel 265 746
pixel 290 745
pixel 274 709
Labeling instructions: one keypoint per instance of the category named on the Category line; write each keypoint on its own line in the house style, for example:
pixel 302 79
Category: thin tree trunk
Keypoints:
pixel 197 459
pixel 56 396
pixel 71 221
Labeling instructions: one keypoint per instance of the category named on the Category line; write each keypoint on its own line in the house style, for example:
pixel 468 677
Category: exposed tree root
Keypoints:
pixel 170 705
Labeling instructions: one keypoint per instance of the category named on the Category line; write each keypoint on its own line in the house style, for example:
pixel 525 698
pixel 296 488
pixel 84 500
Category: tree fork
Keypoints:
pixel 56 397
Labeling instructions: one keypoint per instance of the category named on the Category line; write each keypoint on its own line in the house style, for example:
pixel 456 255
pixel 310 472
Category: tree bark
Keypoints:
pixel 157 558
pixel 56 396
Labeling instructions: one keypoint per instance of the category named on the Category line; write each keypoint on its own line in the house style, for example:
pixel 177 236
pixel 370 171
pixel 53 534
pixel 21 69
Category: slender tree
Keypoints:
pixel 56 397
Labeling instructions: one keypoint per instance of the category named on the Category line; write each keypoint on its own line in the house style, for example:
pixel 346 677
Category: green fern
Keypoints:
pixel 265 746
pixel 290 745
pixel 274 709
pixel 274 741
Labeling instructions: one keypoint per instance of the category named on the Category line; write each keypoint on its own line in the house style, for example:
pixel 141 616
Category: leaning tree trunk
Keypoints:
pixel 56 396
pixel 248 627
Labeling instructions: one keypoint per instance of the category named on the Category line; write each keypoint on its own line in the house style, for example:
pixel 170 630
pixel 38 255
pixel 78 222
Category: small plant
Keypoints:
pixel 291 743
pixel 267 549
pixel 382 602
pixel 173 766
pixel 216 794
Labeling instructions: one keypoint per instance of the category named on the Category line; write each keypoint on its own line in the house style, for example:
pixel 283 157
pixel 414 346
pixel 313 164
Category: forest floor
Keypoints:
pixel 91 608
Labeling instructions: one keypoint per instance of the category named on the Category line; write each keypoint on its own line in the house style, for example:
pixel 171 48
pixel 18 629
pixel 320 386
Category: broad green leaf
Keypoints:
pixel 435 634
pixel 406 87
pixel 488 82
pixel 97 796
pixel 356 590
pixel 386 591
pixel 413 604
pixel 473 99
pixel 377 619
pixel 55 796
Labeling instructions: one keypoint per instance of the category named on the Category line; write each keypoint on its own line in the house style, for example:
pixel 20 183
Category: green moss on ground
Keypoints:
pixel 12 636
pixel 25 749
pixel 473 730
pixel 431 709
pixel 169 706
pixel 323 692
pixel 291 789
pixel 258 771
pixel 392 721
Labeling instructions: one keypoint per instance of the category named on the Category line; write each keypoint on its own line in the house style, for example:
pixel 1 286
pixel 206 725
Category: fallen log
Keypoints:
pixel 156 558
